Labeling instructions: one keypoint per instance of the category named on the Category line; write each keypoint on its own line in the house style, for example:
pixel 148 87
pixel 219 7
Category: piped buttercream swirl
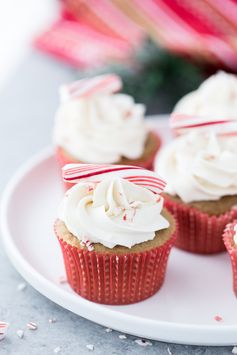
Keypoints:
pixel 101 128
pixel 112 212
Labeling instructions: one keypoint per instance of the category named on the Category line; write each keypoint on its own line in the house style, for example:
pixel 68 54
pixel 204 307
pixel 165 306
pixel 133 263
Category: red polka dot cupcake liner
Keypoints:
pixel 228 238
pixel 199 232
pixel 113 279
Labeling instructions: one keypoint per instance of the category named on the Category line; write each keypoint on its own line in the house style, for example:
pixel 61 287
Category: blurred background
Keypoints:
pixel 20 23
pixel 161 48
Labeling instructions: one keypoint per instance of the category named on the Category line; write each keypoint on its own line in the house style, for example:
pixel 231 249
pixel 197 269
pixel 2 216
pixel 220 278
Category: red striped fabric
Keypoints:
pixel 206 29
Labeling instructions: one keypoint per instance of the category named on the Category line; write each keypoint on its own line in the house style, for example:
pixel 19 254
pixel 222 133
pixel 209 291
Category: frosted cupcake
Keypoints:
pixel 216 97
pixel 230 240
pixel 94 124
pixel 200 168
pixel 114 233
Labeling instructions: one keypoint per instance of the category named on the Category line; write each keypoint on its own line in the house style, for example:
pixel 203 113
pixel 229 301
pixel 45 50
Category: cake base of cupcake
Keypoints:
pixel 231 247
pixel 120 275
pixel 146 161
pixel 199 232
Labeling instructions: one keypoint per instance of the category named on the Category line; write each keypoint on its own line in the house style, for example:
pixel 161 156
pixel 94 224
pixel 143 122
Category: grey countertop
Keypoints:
pixel 27 106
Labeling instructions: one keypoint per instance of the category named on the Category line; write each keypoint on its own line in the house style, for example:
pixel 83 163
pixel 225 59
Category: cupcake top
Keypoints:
pixel 97 125
pixel 200 166
pixel 215 97
pixel 113 205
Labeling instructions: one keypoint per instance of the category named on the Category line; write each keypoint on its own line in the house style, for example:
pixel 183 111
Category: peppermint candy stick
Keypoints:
pixel 181 122
pixel 102 84
pixel 3 329
pixel 75 173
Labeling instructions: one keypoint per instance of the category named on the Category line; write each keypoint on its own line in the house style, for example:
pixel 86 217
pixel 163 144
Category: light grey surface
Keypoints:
pixel 27 107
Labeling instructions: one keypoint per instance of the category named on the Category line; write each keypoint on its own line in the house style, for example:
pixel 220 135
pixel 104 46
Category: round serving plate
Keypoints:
pixel 196 289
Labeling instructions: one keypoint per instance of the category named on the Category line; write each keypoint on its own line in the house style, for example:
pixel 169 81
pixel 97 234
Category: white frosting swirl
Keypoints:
pixel 101 128
pixel 200 166
pixel 115 212
pixel 216 97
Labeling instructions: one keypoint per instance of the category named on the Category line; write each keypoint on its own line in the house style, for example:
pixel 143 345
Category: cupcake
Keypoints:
pixel 230 240
pixel 216 97
pixel 114 234
pixel 200 168
pixel 94 124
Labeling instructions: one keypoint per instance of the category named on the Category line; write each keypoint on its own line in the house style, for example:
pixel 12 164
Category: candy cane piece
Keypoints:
pixel 3 329
pixel 229 129
pixel 32 326
pixel 87 244
pixel 75 173
pixel 102 84
pixel 180 121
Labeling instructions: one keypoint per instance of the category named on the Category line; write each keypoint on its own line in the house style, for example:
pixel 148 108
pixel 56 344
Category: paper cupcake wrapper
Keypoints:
pixel 197 231
pixel 115 279
pixel 228 236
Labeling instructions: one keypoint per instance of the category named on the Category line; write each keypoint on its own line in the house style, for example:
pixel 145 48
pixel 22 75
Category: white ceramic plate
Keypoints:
pixel 196 288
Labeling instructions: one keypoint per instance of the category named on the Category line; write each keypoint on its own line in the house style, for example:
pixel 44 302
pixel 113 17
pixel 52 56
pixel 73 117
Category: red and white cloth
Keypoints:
pixel 91 32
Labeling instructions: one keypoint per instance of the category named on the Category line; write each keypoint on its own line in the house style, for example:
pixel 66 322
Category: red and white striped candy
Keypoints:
pixel 3 329
pixel 87 244
pixel 182 122
pixel 95 173
pixel 102 84
pixel 229 129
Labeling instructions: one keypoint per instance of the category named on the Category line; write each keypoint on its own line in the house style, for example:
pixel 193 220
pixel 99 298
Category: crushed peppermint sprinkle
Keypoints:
pixel 90 347
pixel 32 326
pixel 89 189
pixel 20 333
pixel 62 280
pixel 218 318
pixel 234 350
pixel 169 352
pixel 21 286
pixel 57 350
pixel 128 114
pixel 3 329
pixel 108 330
pixel 87 244
pixel 122 336
pixel 52 320
pixel 143 342
pixel 210 157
